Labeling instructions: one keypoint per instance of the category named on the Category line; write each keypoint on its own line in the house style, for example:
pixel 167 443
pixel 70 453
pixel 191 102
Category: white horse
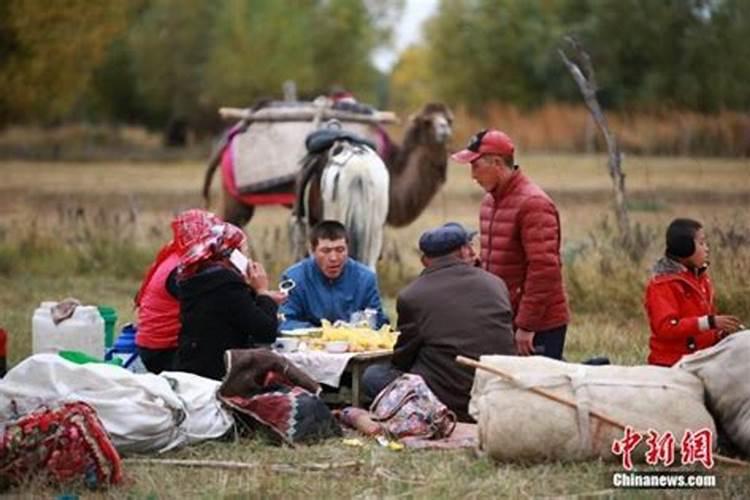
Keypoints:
pixel 354 187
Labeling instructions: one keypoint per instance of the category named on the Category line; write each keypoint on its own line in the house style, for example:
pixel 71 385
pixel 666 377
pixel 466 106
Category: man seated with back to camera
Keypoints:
pixel 452 308
pixel 329 284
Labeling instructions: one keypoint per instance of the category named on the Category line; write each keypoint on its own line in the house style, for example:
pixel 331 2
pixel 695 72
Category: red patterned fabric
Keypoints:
pixel 520 243
pixel 64 445
pixel 200 236
pixel 291 413
pixel 183 222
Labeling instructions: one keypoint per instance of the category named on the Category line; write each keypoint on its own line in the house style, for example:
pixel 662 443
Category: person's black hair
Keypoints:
pixel 681 238
pixel 328 230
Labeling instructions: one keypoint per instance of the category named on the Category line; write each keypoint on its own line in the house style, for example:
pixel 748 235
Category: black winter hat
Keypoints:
pixel 681 237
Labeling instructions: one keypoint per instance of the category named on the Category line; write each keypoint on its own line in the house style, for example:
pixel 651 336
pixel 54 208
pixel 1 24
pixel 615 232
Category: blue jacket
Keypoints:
pixel 315 296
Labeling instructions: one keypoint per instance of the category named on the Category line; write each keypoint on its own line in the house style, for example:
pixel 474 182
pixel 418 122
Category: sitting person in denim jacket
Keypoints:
pixel 328 284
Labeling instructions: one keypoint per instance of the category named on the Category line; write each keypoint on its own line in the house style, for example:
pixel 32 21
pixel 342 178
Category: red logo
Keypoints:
pixel 626 445
pixel 694 447
pixel 660 448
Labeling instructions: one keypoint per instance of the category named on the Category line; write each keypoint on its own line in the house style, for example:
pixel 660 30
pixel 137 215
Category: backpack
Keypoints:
pixel 407 407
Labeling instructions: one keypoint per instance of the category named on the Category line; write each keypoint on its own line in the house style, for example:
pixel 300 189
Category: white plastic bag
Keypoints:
pixel 141 412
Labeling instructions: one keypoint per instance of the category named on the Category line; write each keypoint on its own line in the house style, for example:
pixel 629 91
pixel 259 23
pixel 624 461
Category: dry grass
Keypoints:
pixel 89 230
pixel 569 128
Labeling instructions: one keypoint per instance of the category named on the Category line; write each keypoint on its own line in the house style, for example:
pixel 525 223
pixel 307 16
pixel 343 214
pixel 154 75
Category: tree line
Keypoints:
pixel 152 61
pixel 648 54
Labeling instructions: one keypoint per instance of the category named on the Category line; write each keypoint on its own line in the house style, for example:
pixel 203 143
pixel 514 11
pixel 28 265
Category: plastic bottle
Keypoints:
pixel 126 350
pixel 109 315
pixel 83 331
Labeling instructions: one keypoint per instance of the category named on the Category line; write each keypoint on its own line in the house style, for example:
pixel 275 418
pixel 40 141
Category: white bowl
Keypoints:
pixel 337 346
pixel 284 344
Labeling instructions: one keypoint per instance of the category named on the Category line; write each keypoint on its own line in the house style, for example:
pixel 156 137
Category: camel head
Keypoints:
pixel 433 123
pixel 419 167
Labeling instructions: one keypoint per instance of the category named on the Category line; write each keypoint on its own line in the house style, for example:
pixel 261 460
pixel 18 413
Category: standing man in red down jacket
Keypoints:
pixel 520 243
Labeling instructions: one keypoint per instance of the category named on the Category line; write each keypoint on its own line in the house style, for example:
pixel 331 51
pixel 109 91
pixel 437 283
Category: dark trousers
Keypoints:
pixel 550 343
pixel 376 377
pixel 158 360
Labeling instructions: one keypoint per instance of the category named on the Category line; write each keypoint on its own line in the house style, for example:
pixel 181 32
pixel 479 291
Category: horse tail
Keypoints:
pixel 355 218
pixel 354 190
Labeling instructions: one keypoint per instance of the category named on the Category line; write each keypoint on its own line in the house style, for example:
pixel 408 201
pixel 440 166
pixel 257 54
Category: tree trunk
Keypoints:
pixel 587 85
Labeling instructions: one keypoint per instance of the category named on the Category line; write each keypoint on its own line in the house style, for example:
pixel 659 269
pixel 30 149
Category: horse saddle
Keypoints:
pixel 322 139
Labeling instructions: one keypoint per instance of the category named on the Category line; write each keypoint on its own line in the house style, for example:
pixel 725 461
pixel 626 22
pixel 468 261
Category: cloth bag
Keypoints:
pixel 724 370
pixel 516 424
pixel 62 445
pixel 408 408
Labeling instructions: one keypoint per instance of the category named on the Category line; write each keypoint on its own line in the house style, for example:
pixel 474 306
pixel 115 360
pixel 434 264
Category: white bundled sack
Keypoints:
pixel 141 412
pixel 725 372
pixel 516 424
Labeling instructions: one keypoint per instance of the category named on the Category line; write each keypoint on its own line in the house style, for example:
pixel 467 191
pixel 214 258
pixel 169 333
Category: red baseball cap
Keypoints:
pixel 487 141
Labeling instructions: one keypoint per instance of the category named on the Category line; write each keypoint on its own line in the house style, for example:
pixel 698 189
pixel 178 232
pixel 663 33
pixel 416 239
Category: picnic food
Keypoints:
pixel 360 338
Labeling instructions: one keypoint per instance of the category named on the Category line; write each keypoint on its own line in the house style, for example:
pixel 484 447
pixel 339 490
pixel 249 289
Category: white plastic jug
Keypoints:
pixel 83 331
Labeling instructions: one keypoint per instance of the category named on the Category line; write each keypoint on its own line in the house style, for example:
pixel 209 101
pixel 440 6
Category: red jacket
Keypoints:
pixel 520 243
pixel 678 302
pixel 159 311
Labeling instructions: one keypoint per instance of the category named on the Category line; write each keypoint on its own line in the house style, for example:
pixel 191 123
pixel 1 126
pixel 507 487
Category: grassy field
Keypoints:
pixel 90 229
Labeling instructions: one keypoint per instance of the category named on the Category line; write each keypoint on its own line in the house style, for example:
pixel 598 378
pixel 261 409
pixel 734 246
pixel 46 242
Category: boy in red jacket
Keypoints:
pixel 680 298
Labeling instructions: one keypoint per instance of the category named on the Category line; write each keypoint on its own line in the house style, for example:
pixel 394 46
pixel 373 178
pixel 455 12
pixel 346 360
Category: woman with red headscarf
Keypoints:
pixel 225 302
pixel 157 301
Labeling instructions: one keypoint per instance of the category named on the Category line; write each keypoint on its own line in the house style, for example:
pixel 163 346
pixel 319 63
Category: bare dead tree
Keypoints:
pixel 580 67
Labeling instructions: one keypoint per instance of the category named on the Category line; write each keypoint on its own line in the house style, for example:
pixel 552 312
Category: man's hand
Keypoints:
pixel 524 341
pixel 728 324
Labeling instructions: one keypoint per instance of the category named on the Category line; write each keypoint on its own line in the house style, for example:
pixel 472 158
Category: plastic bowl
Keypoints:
pixel 284 344
pixel 337 346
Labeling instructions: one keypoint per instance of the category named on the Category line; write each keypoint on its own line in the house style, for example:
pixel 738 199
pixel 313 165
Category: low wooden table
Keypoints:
pixel 356 365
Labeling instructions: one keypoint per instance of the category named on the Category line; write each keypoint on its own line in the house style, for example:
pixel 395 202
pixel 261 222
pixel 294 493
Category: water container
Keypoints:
pixel 109 315
pixel 126 351
pixel 83 331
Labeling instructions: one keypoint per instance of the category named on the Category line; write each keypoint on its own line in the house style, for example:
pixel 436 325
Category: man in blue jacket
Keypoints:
pixel 329 284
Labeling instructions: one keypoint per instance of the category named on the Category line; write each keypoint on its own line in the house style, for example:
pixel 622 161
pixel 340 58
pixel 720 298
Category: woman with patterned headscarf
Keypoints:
pixel 158 302
pixel 223 304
